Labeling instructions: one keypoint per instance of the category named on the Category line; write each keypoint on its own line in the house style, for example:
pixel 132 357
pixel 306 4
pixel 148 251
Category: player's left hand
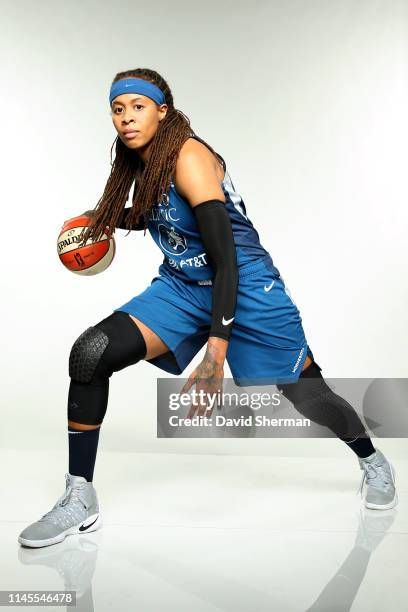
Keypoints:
pixel 208 377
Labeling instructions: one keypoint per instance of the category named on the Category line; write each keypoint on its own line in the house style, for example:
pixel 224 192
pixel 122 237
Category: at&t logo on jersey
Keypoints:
pixel 197 261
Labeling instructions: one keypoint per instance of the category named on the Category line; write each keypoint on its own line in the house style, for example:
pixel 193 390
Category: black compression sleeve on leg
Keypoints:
pixel 216 232
pixel 89 386
pixel 313 398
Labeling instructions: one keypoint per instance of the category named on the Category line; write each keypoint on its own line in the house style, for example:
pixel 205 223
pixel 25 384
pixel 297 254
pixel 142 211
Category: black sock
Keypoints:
pixel 363 447
pixel 83 444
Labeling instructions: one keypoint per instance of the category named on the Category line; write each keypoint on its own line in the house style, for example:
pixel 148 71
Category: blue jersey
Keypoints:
pixel 173 227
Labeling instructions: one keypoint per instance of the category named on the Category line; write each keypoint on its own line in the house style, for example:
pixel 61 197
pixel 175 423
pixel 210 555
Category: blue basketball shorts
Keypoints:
pixel 267 343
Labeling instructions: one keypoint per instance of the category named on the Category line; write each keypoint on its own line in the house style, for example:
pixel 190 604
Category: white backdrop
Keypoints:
pixel 307 103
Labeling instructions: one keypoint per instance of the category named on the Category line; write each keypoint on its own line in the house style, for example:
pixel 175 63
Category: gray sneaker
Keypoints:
pixel 76 511
pixel 379 475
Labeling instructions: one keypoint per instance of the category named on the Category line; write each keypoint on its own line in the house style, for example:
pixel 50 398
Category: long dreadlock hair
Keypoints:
pixel 152 180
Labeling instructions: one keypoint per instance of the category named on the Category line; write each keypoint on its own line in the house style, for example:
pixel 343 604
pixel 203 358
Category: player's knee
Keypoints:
pixel 314 399
pixel 86 353
pixel 111 345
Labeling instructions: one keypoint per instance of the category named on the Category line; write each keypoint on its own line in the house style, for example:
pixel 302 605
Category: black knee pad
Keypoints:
pixel 111 345
pixel 86 353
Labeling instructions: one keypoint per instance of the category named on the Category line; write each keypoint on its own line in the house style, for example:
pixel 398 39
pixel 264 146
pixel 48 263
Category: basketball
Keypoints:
pixel 89 259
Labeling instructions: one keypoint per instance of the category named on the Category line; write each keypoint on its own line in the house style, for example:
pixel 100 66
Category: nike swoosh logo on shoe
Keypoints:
pixel 85 527
pixel 270 286
pixel 224 322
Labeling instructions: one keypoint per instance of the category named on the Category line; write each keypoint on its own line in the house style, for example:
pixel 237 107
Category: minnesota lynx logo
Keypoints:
pixel 171 241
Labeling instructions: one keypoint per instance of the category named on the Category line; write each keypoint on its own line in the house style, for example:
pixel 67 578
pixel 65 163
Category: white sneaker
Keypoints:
pixel 76 511
pixel 379 475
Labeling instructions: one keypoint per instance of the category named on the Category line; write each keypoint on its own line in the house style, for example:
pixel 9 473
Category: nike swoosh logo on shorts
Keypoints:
pixel 270 286
pixel 224 322
pixel 85 527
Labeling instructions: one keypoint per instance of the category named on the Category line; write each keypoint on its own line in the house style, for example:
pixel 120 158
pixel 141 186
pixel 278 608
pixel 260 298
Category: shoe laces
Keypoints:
pixel 67 506
pixel 377 476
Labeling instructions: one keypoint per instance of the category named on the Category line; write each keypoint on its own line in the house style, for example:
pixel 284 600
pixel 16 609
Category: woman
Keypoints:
pixel 217 285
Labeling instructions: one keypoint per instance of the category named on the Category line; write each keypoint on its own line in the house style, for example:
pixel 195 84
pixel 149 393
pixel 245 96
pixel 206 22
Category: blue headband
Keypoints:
pixel 134 85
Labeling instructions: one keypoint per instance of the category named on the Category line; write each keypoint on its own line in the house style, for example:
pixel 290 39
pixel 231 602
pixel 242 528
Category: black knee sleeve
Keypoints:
pixel 111 345
pixel 86 354
pixel 313 398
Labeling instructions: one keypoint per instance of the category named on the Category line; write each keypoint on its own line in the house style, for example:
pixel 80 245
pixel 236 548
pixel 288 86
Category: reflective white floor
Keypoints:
pixel 208 533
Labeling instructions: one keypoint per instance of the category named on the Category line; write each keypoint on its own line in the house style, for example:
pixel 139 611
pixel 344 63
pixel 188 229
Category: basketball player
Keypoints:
pixel 217 284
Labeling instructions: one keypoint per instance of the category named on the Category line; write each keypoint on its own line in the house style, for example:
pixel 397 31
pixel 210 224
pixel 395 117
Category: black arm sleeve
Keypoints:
pixel 216 232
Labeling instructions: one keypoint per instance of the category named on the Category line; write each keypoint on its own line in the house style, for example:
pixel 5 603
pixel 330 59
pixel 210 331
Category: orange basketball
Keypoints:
pixel 93 257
